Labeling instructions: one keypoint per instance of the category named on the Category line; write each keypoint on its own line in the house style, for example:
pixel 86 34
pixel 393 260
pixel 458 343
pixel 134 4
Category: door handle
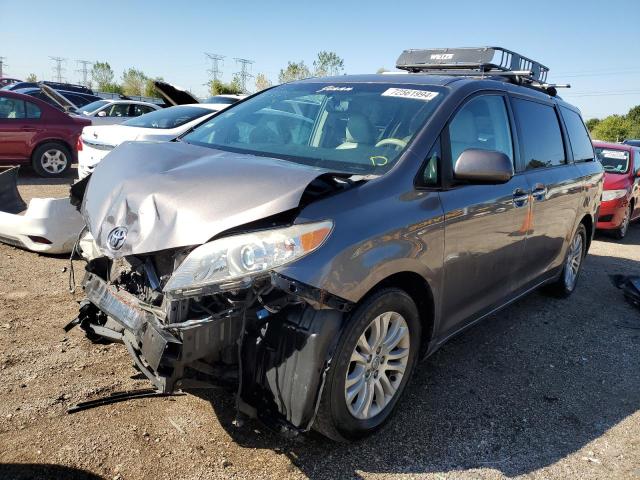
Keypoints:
pixel 27 129
pixel 520 197
pixel 539 192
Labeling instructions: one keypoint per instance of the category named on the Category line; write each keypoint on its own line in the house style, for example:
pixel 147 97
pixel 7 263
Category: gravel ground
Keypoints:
pixel 544 389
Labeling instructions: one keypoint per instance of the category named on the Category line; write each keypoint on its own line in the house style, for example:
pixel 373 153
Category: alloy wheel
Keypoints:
pixel 53 161
pixel 574 259
pixel 377 365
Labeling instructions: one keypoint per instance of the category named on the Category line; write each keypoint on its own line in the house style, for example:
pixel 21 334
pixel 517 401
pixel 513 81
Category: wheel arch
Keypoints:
pixel 420 291
pixel 61 141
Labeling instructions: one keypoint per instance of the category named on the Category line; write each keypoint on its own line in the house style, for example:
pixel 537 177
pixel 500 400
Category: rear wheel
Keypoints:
pixel 566 284
pixel 621 232
pixel 373 362
pixel 51 159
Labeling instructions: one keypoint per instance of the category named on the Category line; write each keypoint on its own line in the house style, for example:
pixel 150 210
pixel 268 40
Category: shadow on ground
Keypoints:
pixel 27 176
pixel 520 391
pixel 28 471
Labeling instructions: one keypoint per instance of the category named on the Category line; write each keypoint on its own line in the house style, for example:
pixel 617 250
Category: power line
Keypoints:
pixel 58 68
pixel 2 65
pixel 84 70
pixel 243 74
pixel 214 71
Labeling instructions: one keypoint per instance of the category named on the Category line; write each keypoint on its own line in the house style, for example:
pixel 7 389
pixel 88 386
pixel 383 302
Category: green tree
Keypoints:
pixel 112 88
pixel 133 82
pixel 613 128
pixel 328 63
pixel 32 77
pixel 102 76
pixel 262 82
pixel 150 88
pixel 634 115
pixel 216 87
pixel 591 123
pixel 294 71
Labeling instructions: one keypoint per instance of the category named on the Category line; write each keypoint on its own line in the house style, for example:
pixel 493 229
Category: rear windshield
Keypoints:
pixel 168 118
pixel 613 161
pixel 358 128
pixel 221 100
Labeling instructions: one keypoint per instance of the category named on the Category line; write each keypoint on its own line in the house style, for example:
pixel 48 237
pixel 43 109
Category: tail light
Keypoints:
pixel 79 144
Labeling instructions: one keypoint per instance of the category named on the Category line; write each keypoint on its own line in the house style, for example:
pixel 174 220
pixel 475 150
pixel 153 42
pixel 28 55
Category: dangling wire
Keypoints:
pixel 72 273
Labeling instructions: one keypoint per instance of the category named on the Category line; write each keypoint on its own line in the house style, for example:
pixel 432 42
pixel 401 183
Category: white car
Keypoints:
pixel 109 112
pixel 162 125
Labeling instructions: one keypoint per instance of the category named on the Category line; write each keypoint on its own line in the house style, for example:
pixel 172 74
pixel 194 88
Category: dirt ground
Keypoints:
pixel 544 389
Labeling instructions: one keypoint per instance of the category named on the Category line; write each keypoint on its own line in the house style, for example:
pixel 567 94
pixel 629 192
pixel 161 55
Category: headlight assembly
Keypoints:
pixel 609 195
pixel 230 260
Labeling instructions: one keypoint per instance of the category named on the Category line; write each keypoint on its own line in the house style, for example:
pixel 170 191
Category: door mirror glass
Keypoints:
pixel 102 113
pixel 483 166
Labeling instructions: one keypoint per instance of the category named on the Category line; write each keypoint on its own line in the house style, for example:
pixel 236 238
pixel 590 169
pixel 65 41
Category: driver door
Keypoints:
pixel 485 225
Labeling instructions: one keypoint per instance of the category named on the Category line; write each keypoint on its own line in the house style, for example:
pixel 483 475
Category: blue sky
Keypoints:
pixel 592 45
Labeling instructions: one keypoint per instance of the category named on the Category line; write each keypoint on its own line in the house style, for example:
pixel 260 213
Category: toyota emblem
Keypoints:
pixel 116 238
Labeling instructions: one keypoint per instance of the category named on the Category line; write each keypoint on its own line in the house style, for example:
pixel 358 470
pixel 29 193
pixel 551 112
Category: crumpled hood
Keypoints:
pixel 169 195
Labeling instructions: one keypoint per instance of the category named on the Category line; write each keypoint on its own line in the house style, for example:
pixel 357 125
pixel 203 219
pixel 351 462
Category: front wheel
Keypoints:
pixel 373 362
pixel 566 284
pixel 621 231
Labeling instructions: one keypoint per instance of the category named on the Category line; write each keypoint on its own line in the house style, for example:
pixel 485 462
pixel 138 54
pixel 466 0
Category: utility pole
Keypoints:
pixel 58 68
pixel 2 65
pixel 243 73
pixel 84 70
pixel 214 71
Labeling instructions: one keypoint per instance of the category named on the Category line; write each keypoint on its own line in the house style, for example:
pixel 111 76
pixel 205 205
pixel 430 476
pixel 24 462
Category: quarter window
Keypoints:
pixel 578 136
pixel 483 124
pixel 540 134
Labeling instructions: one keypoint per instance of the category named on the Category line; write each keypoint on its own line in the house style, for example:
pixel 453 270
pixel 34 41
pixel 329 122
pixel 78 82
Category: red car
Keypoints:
pixel 621 193
pixel 33 132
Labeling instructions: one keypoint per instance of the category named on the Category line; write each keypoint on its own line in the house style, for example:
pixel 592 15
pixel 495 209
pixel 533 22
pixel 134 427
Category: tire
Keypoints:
pixel 621 231
pixel 337 416
pixel 566 284
pixel 51 159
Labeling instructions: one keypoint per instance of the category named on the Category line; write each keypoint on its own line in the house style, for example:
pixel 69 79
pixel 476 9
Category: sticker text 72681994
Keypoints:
pixel 424 95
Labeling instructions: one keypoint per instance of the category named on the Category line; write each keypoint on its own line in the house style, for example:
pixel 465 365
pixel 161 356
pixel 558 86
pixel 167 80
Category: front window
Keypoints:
pixel 92 107
pixel 613 161
pixel 358 128
pixel 168 118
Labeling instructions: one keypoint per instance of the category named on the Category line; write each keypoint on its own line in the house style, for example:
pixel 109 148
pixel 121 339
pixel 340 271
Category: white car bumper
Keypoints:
pixel 91 154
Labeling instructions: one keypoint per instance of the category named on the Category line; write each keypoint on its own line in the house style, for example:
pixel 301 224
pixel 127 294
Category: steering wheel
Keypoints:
pixel 392 141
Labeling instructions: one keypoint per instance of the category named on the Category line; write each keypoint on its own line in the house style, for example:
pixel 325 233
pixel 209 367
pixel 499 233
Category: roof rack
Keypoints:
pixel 480 60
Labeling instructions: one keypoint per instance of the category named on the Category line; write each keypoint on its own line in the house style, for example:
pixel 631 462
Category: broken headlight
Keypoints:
pixel 240 257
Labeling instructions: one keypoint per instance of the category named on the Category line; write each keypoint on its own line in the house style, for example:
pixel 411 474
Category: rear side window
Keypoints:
pixel 481 124
pixel 540 134
pixel 11 108
pixel 33 111
pixel 578 136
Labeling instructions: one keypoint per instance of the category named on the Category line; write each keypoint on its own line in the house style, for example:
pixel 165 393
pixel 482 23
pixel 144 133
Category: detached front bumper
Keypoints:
pixel 612 213
pixel 277 361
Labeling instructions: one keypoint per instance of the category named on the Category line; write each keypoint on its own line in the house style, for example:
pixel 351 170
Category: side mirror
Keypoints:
pixel 102 113
pixel 483 166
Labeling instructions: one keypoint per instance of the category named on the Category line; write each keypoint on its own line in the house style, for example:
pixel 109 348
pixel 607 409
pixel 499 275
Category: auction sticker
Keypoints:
pixel 615 154
pixel 410 93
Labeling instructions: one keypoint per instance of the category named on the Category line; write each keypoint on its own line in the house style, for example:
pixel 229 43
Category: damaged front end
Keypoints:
pixel 187 278
pixel 269 337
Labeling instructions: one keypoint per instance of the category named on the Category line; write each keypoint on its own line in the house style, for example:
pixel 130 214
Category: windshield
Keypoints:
pixel 355 128
pixel 613 161
pixel 168 118
pixel 92 107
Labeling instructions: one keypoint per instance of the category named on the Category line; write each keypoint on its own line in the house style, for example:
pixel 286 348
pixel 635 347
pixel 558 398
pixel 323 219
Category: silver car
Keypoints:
pixel 310 243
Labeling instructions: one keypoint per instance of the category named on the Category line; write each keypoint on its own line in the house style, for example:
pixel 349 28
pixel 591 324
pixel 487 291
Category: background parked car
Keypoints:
pixel 79 99
pixel 109 112
pixel 161 125
pixel 619 205
pixel 632 142
pixel 33 132
pixel 5 81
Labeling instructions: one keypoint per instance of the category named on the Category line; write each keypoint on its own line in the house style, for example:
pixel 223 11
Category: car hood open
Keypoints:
pixel 174 95
pixel 169 195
